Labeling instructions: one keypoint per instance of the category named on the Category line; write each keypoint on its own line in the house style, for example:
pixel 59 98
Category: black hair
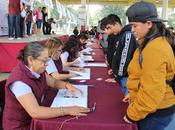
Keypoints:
pixel 43 8
pixel 33 49
pixel 75 31
pixel 111 19
pixel 102 23
pixel 159 27
pixel 72 47
pixel 82 36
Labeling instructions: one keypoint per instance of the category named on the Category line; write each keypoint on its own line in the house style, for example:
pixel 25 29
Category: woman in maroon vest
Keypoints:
pixel 55 66
pixel 26 87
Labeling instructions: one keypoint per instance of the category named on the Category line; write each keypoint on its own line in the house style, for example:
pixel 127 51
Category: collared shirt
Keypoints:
pixel 24 88
pixel 51 68
pixel 64 57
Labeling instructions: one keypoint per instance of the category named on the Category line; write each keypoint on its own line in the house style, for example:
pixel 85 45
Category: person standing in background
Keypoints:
pixel 45 17
pixel 29 19
pixel 14 18
pixel 22 19
pixel 39 18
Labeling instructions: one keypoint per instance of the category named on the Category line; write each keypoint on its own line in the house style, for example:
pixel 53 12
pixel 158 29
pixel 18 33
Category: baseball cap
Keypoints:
pixel 143 11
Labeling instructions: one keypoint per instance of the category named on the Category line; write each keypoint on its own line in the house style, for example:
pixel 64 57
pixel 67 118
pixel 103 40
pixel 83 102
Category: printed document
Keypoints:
pixel 65 98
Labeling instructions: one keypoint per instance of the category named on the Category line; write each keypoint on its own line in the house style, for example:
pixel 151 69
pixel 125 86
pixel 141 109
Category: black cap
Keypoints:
pixel 143 11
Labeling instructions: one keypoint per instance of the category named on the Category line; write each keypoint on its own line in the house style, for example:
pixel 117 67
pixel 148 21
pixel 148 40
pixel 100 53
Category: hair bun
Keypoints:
pixel 21 55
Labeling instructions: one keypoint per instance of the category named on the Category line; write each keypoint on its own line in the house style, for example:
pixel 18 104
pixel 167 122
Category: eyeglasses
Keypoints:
pixel 43 61
pixel 59 51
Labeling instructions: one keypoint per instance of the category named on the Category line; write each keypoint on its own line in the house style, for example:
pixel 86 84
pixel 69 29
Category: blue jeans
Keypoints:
pixel 28 24
pixel 14 23
pixel 123 87
pixel 155 123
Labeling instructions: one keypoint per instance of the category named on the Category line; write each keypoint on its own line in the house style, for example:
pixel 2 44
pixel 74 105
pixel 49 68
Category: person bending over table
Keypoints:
pixel 25 89
pixel 55 67
pixel 69 55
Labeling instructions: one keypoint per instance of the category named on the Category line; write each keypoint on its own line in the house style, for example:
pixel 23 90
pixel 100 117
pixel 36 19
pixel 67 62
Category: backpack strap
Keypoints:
pixel 172 84
pixel 145 42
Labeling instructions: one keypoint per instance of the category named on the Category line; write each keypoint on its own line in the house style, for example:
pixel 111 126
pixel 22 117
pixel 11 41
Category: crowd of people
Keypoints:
pixel 140 58
pixel 24 21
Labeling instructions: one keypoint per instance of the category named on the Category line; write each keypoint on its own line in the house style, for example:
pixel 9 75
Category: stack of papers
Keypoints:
pixel 96 64
pixel 82 74
pixel 65 98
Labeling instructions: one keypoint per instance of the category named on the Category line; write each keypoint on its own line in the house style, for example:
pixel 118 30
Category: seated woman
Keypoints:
pixel 25 90
pixel 80 39
pixel 69 55
pixel 55 67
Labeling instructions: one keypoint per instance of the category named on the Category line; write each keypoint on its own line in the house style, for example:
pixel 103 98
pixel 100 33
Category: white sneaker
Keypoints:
pixel 10 38
pixel 18 38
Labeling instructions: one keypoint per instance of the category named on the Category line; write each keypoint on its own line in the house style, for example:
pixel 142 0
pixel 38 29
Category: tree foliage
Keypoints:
pixel 109 9
pixel 171 20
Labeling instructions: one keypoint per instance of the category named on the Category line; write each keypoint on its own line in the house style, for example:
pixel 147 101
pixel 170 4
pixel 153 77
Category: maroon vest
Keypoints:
pixel 14 115
pixel 59 65
pixel 14 7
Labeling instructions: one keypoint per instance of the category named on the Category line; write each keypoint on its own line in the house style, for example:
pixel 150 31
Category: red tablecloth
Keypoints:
pixel 109 108
pixel 98 55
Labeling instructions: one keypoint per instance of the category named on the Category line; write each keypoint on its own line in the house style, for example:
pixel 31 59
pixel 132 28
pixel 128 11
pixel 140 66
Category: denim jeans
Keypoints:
pixel 123 85
pixel 14 23
pixel 155 123
pixel 28 24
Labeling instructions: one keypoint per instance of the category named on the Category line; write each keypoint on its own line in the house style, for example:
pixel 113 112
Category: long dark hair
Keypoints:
pixel 160 28
pixel 72 48
pixel 33 49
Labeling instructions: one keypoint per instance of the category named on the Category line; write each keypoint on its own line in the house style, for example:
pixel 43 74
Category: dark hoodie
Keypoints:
pixel 125 48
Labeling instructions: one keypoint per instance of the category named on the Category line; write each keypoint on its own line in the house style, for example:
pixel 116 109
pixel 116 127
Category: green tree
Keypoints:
pixel 109 9
pixel 114 9
pixel 171 20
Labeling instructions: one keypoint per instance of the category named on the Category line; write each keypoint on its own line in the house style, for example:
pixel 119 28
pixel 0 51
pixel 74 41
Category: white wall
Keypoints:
pixel 3 17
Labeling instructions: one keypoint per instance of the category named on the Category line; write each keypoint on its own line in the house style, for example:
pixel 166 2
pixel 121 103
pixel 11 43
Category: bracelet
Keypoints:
pixel 61 111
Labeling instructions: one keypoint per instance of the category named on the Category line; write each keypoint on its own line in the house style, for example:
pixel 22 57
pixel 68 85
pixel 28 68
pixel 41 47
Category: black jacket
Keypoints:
pixel 112 39
pixel 125 48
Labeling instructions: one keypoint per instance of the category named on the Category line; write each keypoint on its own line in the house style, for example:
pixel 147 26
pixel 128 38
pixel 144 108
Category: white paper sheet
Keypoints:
pixel 87 58
pixel 96 64
pixel 87 50
pixel 65 98
pixel 81 62
pixel 83 75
